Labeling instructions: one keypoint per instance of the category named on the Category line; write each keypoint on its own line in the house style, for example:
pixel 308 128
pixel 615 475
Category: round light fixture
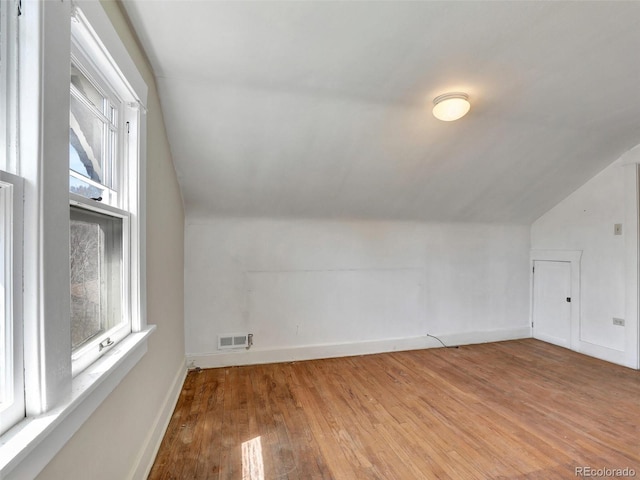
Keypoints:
pixel 451 106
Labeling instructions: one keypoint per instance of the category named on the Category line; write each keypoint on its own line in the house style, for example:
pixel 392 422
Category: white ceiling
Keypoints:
pixel 323 109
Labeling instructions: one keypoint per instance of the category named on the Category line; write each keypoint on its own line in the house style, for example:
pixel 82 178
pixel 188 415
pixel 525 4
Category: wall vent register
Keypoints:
pixel 233 340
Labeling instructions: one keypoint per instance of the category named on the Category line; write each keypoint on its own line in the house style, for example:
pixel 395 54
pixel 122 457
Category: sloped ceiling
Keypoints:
pixel 323 109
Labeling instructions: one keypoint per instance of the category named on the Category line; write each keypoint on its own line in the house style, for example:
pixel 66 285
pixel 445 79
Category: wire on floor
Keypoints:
pixel 445 346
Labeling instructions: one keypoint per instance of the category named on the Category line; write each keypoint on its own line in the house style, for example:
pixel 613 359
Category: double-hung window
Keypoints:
pixel 12 405
pixel 103 191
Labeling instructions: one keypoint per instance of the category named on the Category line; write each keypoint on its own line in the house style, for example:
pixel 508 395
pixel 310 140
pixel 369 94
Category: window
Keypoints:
pixel 12 406
pixel 99 182
pixel 105 166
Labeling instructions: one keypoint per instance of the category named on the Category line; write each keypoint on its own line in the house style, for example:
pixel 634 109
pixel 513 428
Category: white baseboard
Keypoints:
pixel 485 336
pixel 560 342
pixel 256 355
pixel 603 353
pixel 147 455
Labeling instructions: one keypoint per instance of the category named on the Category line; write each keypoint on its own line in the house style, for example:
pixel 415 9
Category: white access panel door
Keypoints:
pixel 552 302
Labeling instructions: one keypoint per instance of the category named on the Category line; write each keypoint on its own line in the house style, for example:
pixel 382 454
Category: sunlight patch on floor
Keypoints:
pixel 252 464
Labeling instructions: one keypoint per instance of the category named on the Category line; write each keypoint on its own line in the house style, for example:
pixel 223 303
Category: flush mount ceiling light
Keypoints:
pixel 451 106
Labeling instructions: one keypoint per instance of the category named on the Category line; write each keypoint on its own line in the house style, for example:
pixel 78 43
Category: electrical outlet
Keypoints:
pixel 618 321
pixel 617 229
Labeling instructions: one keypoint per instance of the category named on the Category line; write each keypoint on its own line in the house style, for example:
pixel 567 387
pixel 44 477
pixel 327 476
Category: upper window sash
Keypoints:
pixel 97 139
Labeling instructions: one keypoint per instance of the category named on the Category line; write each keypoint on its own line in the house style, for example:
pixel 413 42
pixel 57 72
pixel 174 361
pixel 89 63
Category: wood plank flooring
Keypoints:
pixel 510 410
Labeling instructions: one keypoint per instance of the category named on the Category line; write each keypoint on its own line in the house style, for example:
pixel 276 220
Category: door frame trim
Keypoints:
pixel 573 257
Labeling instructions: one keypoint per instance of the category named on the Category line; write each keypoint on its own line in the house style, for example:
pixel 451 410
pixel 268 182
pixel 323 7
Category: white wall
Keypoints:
pixel 311 288
pixel 608 281
pixel 118 441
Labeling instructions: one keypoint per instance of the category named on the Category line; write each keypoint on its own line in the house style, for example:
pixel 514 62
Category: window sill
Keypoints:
pixel 29 446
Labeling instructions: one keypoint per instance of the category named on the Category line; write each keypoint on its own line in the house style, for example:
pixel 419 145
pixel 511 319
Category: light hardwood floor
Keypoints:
pixel 509 410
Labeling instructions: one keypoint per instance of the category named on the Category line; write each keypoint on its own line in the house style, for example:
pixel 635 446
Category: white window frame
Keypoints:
pixel 88 56
pixel 90 53
pixel 57 402
pixel 124 77
pixel 12 406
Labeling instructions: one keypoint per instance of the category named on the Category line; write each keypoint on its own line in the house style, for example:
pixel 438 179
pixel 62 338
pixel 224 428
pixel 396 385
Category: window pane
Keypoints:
pixel 86 88
pixel 96 274
pixel 83 188
pixel 86 140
